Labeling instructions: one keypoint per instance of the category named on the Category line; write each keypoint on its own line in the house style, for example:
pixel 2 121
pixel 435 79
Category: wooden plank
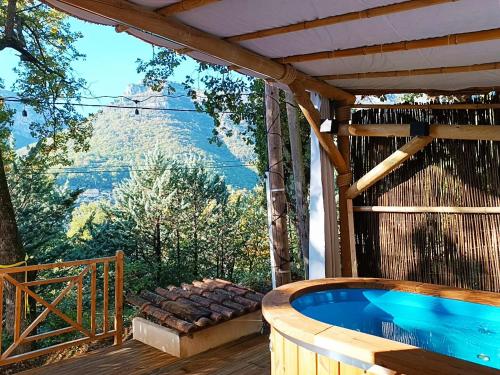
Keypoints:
pixel 407 45
pixel 93 298
pixel 291 357
pixel 307 361
pixel 142 18
pixel 411 73
pixel 422 209
pixel 17 313
pixel 337 19
pixel 42 336
pixel 39 267
pixel 352 241
pixel 345 369
pixel 388 165
pixel 119 297
pixel 183 6
pixel 79 301
pixel 463 132
pixel 105 293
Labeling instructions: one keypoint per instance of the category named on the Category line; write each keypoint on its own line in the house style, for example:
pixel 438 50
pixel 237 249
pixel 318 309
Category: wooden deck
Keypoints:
pixel 247 356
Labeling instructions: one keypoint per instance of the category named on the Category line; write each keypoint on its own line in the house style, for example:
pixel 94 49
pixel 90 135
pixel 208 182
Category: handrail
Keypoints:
pixel 24 333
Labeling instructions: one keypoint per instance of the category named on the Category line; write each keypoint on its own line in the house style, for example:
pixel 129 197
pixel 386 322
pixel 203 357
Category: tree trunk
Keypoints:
pixel 281 250
pixel 299 180
pixel 11 249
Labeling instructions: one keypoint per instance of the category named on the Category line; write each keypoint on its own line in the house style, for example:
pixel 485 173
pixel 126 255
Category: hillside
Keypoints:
pixel 121 138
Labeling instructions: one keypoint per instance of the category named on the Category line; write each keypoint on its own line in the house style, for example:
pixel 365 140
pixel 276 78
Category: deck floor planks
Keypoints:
pixel 247 356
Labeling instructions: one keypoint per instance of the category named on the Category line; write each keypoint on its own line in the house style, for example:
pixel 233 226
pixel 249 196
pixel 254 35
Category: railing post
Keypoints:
pixel 119 297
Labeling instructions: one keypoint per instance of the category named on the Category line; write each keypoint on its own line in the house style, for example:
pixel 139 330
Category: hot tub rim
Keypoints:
pixel 322 337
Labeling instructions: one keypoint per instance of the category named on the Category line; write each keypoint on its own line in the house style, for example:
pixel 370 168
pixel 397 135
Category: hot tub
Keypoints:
pixel 378 326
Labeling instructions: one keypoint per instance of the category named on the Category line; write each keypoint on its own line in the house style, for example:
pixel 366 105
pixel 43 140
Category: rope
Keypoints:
pixel 289 75
pixel 344 179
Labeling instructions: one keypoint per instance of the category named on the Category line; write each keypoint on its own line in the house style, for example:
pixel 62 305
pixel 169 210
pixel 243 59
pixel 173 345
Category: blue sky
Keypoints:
pixel 110 63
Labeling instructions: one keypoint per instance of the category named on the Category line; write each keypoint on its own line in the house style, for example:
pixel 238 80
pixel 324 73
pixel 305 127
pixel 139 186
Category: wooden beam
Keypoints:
pixel 388 165
pixel 423 209
pixel 407 45
pixel 428 91
pixel 314 119
pixel 125 12
pixel 340 18
pixel 463 132
pixel 472 106
pixel 414 72
pixel 183 6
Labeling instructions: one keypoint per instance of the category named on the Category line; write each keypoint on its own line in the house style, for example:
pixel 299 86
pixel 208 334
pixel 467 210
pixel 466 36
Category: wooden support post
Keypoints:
pixel 346 221
pixel 119 297
pixel 388 165
pixel 299 179
pixel 277 187
pixel 314 119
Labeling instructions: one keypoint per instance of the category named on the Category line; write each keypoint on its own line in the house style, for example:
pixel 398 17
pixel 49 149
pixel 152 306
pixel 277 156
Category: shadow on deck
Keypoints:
pixel 246 356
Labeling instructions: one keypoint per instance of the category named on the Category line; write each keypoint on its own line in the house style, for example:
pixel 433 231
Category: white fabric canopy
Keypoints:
pixel 234 17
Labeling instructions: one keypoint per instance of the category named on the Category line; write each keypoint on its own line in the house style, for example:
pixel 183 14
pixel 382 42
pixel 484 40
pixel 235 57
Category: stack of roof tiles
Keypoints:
pixel 201 304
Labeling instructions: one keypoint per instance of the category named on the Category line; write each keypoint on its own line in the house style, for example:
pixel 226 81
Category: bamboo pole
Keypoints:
pixel 407 45
pixel 422 209
pixel 347 248
pixel 432 92
pixel 314 119
pixel 388 165
pixel 144 19
pixel 337 19
pixel 119 297
pixel 464 132
pixel 183 6
pixel 456 106
pixel 281 251
pixel 414 72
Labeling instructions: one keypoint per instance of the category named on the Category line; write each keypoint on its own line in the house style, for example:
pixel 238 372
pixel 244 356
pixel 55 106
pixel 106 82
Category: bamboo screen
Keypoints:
pixel 461 250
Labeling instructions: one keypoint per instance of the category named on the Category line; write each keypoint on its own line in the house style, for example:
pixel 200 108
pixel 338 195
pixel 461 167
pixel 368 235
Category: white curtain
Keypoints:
pixel 324 253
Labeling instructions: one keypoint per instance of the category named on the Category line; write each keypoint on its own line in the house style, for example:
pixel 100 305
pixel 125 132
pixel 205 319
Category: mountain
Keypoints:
pixel 121 138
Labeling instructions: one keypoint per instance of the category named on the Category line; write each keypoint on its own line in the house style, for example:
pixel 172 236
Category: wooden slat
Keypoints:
pixel 183 6
pixel 420 209
pixel 413 72
pixel 79 301
pixel 388 165
pixel 453 39
pixel 432 92
pixel 93 297
pixel 464 132
pixel 105 292
pixel 49 281
pixel 340 18
pixel 17 314
pixel 145 19
pixel 119 297
pixel 42 336
pixel 39 267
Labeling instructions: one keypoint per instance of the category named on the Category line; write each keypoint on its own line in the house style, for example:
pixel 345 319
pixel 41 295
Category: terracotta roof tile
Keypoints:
pixel 198 305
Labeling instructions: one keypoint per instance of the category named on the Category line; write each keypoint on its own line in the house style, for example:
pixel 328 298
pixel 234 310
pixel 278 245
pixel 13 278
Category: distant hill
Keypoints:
pixel 121 138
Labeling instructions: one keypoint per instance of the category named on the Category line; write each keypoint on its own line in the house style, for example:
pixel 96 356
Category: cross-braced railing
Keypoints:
pixel 22 337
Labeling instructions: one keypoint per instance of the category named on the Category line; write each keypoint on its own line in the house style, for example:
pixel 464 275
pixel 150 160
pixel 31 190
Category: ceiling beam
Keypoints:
pixel 340 18
pixel 407 45
pixel 414 72
pixel 124 12
pixel 428 91
pixel 183 6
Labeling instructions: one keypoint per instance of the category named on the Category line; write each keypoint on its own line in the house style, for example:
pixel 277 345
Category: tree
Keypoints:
pixel 44 41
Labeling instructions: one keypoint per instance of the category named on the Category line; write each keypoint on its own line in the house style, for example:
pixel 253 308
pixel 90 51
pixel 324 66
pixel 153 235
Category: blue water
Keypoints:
pixel 465 330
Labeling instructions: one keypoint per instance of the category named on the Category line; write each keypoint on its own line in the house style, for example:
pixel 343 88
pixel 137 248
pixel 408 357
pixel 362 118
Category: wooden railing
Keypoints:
pixel 85 326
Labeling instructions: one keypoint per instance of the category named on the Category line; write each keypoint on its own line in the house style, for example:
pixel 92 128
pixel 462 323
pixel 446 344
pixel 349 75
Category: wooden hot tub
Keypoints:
pixel 302 345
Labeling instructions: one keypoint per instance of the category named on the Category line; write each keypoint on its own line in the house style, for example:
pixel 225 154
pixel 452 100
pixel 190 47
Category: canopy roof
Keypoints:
pixel 361 46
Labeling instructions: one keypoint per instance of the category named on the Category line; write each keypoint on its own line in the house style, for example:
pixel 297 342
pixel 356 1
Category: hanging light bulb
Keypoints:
pixel 136 109
pixel 24 113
